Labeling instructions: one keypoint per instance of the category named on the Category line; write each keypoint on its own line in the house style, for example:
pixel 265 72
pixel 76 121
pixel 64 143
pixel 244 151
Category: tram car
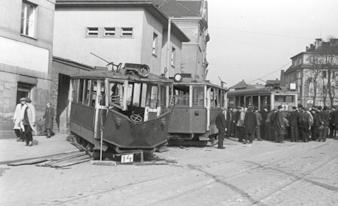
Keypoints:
pixel 117 110
pixel 264 97
pixel 197 103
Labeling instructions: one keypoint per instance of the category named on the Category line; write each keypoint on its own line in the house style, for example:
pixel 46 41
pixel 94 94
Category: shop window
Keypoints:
pixel 28 19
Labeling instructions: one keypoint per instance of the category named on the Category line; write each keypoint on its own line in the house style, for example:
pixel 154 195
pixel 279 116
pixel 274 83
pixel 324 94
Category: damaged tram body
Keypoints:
pixel 125 110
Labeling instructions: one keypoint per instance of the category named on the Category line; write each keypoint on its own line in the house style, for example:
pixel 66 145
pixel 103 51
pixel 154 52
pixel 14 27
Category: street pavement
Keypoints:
pixel 264 173
pixel 11 150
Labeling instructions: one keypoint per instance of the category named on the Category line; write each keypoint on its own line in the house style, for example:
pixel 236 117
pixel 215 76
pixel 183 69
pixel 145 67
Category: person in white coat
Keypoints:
pixel 17 120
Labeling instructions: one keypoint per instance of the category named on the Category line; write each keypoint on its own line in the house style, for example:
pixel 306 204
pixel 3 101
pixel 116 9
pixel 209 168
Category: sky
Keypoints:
pixel 253 40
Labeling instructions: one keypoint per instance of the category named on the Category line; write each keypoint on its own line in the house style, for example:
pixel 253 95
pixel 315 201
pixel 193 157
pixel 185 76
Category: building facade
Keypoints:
pixel 117 31
pixel 191 16
pixel 26 43
pixel 314 74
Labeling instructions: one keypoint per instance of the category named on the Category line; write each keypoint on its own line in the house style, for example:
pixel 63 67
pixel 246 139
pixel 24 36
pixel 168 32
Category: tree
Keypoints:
pixel 315 70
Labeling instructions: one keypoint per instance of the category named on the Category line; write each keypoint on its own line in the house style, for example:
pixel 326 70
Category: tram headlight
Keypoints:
pixel 178 77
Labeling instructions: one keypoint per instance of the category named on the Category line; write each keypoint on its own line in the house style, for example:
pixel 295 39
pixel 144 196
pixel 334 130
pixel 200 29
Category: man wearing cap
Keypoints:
pixel 221 126
pixel 250 125
pixel 280 125
pixel 294 119
pixel 28 122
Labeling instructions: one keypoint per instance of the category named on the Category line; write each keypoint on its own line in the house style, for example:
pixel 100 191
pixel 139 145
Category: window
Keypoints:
pixel 181 94
pixel 92 31
pixel 28 19
pixel 154 46
pixel 323 74
pixel 198 96
pixel 116 93
pixel 109 31
pixel 154 97
pixel 163 98
pixel 127 32
pixel 136 94
pixel 173 56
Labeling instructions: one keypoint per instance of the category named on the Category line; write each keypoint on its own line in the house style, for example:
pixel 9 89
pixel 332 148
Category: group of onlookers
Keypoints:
pixel 300 124
pixel 25 123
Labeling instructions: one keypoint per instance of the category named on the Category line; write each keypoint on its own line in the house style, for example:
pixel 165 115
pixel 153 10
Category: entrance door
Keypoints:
pixel 62 103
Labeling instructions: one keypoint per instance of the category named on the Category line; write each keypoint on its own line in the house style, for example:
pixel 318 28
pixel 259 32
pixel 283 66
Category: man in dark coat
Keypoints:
pixel 335 114
pixel 48 117
pixel 293 120
pixel 280 125
pixel 221 126
pixel 317 124
pixel 332 122
pixel 325 115
pixel 250 124
pixel 229 122
pixel 264 114
pixel 304 125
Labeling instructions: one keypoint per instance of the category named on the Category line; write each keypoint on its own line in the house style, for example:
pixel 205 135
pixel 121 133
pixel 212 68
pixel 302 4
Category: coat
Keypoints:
pixel 259 118
pixel 49 116
pixel 19 115
pixel 294 119
pixel 220 122
pixel 250 122
pixel 280 122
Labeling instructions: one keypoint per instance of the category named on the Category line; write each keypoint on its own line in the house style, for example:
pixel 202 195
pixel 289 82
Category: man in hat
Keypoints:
pixel 304 124
pixel 293 120
pixel 325 116
pixel 17 120
pixel 280 125
pixel 49 117
pixel 250 125
pixel 221 126
pixel 28 122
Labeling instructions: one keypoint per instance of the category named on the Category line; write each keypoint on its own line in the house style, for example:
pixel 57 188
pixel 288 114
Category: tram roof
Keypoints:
pixel 258 91
pixel 199 83
pixel 103 74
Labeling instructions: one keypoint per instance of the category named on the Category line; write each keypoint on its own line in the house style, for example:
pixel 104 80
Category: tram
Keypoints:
pixel 264 97
pixel 196 105
pixel 117 110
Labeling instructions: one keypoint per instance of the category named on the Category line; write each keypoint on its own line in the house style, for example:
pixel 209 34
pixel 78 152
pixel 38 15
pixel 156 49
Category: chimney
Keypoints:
pixel 282 78
pixel 318 43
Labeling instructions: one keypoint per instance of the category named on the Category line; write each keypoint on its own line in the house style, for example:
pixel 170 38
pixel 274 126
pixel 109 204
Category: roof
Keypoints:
pixel 193 82
pixel 146 4
pixel 104 73
pixel 242 85
pixel 72 63
pixel 180 8
pixel 251 91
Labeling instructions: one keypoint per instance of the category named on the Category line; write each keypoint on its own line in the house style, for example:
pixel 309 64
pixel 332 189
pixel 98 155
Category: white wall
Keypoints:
pixel 70 41
pixel 23 55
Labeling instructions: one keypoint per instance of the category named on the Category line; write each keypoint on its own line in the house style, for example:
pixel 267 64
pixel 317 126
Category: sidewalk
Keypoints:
pixel 11 150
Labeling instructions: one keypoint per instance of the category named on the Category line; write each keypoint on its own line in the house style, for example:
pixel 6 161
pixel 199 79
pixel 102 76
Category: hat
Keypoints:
pixel 23 99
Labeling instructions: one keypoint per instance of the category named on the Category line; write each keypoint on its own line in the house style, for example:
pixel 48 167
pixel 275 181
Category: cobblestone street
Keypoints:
pixel 264 173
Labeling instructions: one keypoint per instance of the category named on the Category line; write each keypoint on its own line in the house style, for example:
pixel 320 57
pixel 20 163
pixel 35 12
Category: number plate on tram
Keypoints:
pixel 127 158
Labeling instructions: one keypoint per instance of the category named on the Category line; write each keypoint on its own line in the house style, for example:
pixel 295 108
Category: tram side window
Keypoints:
pixel 144 95
pixel 198 96
pixel 75 90
pixel 153 96
pixel 212 98
pixel 93 93
pixel 116 93
pixel 129 94
pixel 137 93
pixel 181 94
pixel 80 95
pixel 86 91
pixel 163 99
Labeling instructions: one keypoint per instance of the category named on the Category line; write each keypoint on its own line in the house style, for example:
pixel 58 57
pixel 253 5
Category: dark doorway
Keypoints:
pixel 62 101
pixel 23 90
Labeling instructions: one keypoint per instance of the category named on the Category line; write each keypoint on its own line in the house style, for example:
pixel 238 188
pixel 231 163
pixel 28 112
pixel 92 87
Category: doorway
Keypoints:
pixel 62 103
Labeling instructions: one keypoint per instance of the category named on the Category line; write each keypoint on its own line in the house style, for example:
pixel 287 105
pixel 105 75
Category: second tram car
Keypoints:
pixel 126 110
pixel 263 98
pixel 196 107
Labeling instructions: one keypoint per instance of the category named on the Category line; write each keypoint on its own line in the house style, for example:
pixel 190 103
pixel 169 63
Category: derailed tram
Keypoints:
pixel 118 111
pixel 197 103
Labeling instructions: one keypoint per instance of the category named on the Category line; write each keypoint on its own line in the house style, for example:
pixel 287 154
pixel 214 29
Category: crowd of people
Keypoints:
pixel 300 124
pixel 25 123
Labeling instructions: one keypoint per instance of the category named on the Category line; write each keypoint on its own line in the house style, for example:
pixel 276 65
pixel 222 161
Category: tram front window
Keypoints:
pixel 181 94
pixel 198 96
